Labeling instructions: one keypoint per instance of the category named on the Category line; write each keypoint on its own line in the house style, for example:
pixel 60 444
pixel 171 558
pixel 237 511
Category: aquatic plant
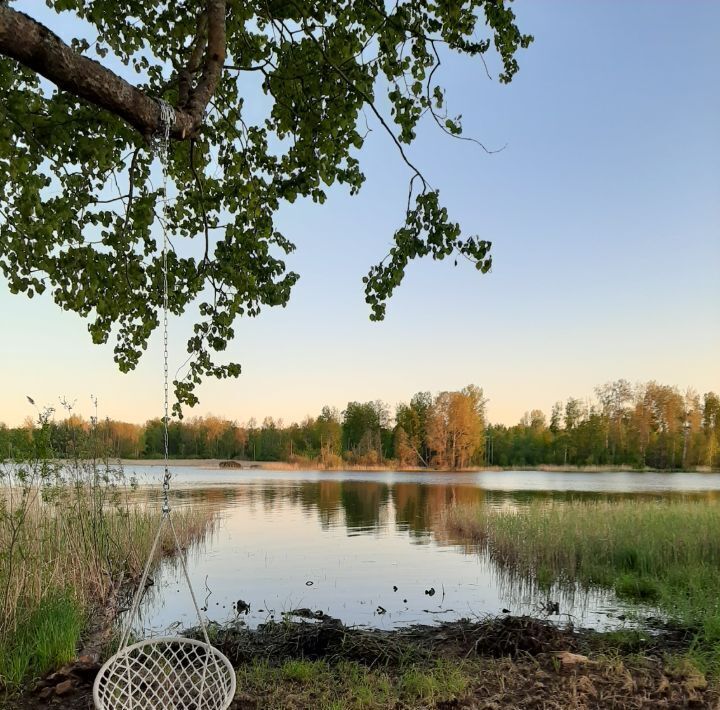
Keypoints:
pixel 663 553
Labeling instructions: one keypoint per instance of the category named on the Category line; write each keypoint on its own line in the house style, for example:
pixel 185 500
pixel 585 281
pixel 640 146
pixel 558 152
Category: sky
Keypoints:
pixel 603 210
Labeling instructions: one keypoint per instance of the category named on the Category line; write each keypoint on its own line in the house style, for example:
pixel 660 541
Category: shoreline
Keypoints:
pixel 505 661
pixel 247 465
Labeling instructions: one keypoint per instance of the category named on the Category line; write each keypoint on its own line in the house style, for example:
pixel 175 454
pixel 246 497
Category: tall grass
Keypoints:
pixel 70 536
pixel 663 553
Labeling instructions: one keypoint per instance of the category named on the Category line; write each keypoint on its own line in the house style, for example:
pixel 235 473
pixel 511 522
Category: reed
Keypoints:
pixel 666 554
pixel 69 535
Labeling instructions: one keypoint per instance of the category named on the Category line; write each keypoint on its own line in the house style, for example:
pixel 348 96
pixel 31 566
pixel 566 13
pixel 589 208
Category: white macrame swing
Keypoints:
pixel 167 672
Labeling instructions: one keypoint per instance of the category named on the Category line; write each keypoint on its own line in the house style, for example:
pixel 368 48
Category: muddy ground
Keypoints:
pixel 509 662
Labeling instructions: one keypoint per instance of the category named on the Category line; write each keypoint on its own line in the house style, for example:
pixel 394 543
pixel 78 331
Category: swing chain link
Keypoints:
pixel 160 144
pixel 162 150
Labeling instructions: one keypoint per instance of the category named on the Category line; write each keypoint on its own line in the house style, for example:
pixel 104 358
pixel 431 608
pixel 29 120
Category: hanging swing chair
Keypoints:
pixel 167 672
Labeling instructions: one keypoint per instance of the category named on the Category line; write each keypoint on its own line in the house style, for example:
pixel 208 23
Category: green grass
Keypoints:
pixel 348 685
pixel 665 554
pixel 302 671
pixel 444 681
pixel 625 679
pixel 46 640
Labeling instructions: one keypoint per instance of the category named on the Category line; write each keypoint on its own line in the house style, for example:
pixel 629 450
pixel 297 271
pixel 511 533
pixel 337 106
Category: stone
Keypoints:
pixel 64 688
pixel 88 659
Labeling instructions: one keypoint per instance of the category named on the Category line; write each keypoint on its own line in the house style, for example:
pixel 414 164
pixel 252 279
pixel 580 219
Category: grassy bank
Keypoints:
pixel 486 683
pixel 338 686
pixel 494 663
pixel 507 662
pixel 666 554
pixel 69 536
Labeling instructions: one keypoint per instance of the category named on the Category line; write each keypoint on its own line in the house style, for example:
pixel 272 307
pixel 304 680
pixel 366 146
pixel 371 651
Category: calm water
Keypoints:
pixel 341 543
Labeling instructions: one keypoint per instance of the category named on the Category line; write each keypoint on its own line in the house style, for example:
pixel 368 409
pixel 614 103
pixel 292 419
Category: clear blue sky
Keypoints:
pixel 604 212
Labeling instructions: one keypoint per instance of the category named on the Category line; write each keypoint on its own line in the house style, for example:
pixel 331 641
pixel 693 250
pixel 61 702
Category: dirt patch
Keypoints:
pixel 499 683
pixel 539 683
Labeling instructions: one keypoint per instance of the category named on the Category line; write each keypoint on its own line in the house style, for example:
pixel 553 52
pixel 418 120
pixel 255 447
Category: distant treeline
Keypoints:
pixel 644 425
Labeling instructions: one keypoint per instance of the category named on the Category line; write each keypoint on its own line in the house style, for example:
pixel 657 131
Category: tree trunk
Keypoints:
pixel 33 45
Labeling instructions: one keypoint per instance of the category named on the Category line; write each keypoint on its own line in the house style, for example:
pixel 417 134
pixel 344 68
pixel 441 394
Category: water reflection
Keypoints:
pixel 362 506
pixel 341 543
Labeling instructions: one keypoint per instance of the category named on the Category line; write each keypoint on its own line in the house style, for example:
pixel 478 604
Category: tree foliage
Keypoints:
pixel 455 428
pixel 269 104
pixel 643 425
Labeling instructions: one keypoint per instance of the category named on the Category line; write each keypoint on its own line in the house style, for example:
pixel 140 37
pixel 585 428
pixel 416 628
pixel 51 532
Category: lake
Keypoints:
pixel 368 548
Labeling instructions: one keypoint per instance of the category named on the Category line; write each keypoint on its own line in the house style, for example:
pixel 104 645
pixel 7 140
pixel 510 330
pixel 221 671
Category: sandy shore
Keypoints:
pixel 210 463
pixel 286 466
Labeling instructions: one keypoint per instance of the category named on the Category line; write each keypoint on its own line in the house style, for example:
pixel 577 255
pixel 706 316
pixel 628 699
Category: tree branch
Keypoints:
pixel 371 105
pixel 202 200
pixel 35 46
pixel 187 74
pixel 214 60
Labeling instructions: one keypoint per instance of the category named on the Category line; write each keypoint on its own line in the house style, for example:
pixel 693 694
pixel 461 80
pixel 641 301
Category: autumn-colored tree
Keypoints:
pixel 643 425
pixel 659 418
pixel 455 427
pixel 125 440
pixel 405 452
pixel 413 420
pixel 214 428
pixel 711 428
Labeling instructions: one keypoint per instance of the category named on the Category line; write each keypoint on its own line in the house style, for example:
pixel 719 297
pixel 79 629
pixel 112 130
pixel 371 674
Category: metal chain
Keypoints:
pixel 161 146
pixel 162 149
